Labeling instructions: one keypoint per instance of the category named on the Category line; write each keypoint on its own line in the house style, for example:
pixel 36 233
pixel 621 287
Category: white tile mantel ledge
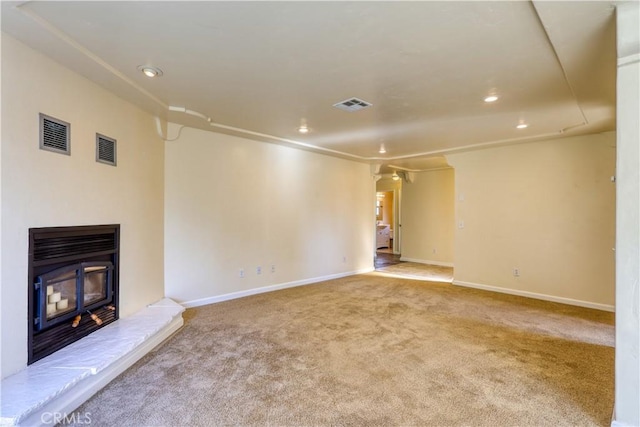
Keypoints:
pixel 54 387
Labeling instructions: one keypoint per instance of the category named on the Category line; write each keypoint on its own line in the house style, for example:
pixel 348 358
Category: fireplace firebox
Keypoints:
pixel 69 291
pixel 73 284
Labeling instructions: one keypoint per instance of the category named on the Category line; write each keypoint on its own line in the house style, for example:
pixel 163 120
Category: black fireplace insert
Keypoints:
pixel 73 284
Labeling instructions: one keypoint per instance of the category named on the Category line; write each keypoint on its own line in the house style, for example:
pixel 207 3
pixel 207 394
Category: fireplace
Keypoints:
pixel 73 284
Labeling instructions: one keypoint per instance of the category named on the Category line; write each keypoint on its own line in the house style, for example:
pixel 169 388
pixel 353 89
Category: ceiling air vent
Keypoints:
pixel 105 150
pixel 353 104
pixel 54 135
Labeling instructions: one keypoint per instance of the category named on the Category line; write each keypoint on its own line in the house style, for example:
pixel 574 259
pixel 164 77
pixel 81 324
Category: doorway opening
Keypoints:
pixel 387 222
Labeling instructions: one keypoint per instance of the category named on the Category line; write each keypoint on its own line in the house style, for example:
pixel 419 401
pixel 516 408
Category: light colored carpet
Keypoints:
pixel 414 270
pixel 372 351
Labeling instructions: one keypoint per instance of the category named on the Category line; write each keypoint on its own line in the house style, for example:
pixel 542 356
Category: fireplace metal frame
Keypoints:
pixel 53 248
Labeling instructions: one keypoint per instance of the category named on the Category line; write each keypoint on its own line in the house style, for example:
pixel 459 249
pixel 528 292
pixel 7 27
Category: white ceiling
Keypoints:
pixel 260 68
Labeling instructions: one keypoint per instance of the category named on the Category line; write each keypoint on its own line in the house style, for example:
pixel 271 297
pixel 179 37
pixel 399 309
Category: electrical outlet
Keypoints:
pixel 258 270
pixel 241 272
pixel 273 268
pixel 516 272
pixel 460 224
pixel 434 250
pixel 344 259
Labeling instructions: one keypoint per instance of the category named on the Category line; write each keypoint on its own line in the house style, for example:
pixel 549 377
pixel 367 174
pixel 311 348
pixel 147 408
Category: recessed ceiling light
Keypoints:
pixel 150 71
pixel 491 98
pixel 522 126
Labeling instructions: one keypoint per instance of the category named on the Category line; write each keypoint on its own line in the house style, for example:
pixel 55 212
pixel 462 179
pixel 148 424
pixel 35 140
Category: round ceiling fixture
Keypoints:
pixel 522 126
pixel 303 126
pixel 150 71
pixel 395 176
pixel 491 98
pixel 382 149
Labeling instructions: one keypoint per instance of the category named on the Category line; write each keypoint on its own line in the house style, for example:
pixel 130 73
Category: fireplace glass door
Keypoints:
pixel 71 290
pixel 95 290
pixel 61 294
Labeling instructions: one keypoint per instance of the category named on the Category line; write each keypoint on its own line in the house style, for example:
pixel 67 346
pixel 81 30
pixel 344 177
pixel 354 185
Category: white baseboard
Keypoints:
pixel 426 261
pixel 552 298
pixel 271 288
pixel 615 423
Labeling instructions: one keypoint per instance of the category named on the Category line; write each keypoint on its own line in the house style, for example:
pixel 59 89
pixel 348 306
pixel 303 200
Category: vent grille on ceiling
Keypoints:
pixel 54 135
pixel 353 104
pixel 105 150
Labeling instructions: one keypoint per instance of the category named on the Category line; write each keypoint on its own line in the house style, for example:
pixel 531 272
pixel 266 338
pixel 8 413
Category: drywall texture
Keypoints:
pixel 233 203
pixel 428 217
pixel 545 208
pixel 43 189
pixel 627 382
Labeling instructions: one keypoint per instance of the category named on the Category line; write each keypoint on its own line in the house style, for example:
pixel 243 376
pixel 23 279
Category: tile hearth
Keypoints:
pixel 65 379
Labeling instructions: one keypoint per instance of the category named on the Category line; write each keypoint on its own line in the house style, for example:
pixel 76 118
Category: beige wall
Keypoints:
pixel 233 203
pixel 428 218
pixel 41 188
pixel 546 208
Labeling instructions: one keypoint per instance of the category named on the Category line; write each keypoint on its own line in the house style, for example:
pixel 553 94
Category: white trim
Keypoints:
pixel 420 170
pixel 271 288
pixel 426 261
pixel 628 60
pixel 545 297
pixel 615 423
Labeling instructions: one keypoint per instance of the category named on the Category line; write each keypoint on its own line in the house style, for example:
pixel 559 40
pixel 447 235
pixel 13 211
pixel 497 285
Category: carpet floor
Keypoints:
pixel 368 350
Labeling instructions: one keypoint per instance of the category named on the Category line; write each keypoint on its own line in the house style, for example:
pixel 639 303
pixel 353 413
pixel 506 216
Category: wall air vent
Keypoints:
pixel 353 104
pixel 54 135
pixel 105 150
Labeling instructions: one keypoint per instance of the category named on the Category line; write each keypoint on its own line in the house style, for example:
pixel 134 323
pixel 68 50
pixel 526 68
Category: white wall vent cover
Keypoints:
pixel 105 150
pixel 353 104
pixel 54 135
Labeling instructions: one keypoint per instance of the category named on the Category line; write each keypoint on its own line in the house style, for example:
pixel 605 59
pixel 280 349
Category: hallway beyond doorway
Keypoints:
pixel 390 264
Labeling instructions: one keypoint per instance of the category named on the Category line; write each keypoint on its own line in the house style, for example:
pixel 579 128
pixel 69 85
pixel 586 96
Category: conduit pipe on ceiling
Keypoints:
pixel 302 144
pixel 190 112
pixel 161 133
pixel 74 44
pixel 261 135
